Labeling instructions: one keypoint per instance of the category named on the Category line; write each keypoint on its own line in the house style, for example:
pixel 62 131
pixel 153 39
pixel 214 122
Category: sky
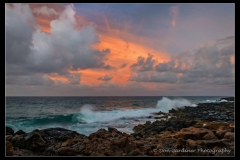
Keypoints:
pixel 93 49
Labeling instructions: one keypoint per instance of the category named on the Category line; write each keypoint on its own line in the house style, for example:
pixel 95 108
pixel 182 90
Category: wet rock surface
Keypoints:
pixel 205 130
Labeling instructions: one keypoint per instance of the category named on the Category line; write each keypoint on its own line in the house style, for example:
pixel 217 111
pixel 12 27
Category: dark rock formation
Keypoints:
pixel 35 141
pixel 9 131
pixel 20 132
pixel 110 129
pixel 191 131
pixel 9 149
pixel 59 134
pixel 18 141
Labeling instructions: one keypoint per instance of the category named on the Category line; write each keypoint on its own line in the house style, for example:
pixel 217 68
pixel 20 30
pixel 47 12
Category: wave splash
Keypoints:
pixel 89 115
pixel 166 104
pixel 87 118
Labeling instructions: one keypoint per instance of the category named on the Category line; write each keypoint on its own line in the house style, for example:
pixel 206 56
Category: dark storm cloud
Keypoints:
pixel 163 67
pixel 31 51
pixel 168 77
pixel 74 78
pixel 180 63
pixel 18 34
pixel 66 48
pixel 210 63
pixel 39 79
pixel 105 78
pixel 36 80
pixel 144 64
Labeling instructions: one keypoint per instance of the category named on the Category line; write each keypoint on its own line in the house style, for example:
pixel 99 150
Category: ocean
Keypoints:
pixel 86 115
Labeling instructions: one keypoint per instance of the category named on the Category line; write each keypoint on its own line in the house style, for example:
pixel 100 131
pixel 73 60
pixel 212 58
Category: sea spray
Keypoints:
pixel 89 115
pixel 223 100
pixel 165 104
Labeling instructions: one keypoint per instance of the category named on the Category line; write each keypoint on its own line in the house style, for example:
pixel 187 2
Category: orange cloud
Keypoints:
pixel 58 78
pixel 127 52
pixel 89 76
pixel 43 20
pixel 123 52
pixel 232 60
pixel 125 49
pixel 44 24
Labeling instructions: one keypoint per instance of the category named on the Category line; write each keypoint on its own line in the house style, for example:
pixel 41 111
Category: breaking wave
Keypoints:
pixel 165 104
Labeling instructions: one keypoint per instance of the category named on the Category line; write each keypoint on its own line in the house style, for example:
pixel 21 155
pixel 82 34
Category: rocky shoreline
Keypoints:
pixel 205 130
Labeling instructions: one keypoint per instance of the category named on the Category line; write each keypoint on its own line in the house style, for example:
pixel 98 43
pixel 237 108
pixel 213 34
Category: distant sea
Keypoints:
pixel 86 115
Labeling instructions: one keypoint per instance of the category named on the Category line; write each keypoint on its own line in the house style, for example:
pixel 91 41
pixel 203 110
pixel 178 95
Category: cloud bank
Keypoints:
pixel 65 50
pixel 31 51
pixel 213 64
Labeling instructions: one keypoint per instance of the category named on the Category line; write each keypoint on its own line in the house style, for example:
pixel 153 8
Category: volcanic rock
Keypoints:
pixel 9 149
pixel 9 131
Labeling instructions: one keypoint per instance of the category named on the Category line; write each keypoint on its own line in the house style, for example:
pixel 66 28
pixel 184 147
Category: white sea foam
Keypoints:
pixel 212 101
pixel 88 119
pixel 165 104
pixel 89 115
pixel 223 100
pixel 194 105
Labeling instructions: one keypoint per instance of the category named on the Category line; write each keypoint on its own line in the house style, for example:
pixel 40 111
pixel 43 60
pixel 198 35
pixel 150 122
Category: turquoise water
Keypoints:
pixel 88 114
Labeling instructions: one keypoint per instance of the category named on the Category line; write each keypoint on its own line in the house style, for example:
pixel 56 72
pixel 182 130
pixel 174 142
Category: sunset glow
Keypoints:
pixel 152 49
